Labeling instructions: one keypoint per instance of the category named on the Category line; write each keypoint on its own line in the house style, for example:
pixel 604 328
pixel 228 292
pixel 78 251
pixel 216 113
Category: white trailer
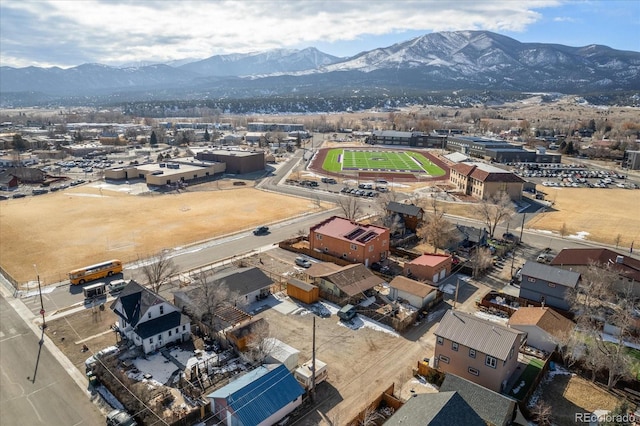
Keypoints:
pixel 304 373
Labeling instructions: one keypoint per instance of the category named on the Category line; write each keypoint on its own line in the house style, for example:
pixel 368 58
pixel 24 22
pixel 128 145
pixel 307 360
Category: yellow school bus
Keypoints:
pixel 95 272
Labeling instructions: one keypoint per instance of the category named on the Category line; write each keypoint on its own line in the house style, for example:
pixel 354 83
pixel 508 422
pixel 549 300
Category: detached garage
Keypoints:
pixel 416 293
pixel 304 292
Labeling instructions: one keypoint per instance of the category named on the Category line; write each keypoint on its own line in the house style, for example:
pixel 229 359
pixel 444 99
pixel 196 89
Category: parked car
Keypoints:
pixel 120 418
pixel 301 261
pixel 261 230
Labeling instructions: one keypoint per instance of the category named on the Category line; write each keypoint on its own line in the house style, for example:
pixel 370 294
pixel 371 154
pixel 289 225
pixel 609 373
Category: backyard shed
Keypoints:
pixel 281 353
pixel 305 292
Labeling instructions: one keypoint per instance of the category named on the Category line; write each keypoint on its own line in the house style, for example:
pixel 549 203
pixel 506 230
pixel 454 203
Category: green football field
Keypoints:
pixel 345 160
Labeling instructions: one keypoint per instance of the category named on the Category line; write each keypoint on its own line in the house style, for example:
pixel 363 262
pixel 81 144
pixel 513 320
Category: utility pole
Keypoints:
pixel 455 298
pixel 522 227
pixel 44 324
pixel 313 363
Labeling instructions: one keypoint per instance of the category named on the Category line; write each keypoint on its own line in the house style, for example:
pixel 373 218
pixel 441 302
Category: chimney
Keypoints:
pixel 619 259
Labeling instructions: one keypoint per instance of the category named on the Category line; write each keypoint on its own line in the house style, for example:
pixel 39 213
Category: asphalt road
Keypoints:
pixel 34 388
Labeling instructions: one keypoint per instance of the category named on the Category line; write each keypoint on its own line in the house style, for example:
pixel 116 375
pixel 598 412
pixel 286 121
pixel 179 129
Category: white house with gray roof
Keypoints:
pixel 547 284
pixel 475 349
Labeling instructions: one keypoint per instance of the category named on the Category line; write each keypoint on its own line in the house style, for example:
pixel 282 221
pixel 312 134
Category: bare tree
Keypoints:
pixel 542 413
pixel 482 259
pixel 350 206
pixel 617 240
pixel 437 231
pixel 259 343
pixel 158 269
pixel 370 417
pixel 494 210
pixel 564 230
pixel 210 298
pixel 569 346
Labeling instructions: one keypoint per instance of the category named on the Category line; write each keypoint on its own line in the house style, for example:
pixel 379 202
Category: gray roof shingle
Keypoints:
pixel 435 409
pixel 550 274
pixel 492 407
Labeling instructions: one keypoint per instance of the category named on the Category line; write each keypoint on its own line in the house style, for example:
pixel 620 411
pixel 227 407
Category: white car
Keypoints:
pixel 301 261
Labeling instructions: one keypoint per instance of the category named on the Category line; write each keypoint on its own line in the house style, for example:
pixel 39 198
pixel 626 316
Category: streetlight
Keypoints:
pixel 44 324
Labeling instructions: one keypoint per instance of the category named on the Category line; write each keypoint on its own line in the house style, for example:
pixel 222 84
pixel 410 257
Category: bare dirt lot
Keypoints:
pixel 362 363
pixel 87 224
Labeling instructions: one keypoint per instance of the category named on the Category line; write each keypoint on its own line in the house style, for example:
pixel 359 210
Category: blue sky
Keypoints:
pixel 67 33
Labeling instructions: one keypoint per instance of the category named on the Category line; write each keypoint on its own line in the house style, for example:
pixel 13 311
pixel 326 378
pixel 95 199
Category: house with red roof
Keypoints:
pixel 349 240
pixel 482 180
pixel 429 267
pixel 625 267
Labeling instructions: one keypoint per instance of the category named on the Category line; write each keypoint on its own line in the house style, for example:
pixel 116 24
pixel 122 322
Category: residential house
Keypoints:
pixel 246 284
pixel 261 397
pixel 475 349
pixel 435 409
pixel 547 284
pixel 349 240
pixel 408 216
pixel 468 237
pixel 343 284
pixel 626 268
pixel 8 181
pixel 543 326
pixel 416 293
pixel 429 267
pixel 494 408
pixel 148 320
pixel 483 181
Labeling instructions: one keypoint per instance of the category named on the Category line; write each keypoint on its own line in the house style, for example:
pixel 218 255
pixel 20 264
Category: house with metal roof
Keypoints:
pixel 547 284
pixel 343 284
pixel 148 320
pixel 435 409
pixel 263 396
pixel 475 349
pixel 494 408
pixel 544 326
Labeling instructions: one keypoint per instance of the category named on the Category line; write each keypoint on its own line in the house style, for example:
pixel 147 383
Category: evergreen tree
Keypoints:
pixel 153 140
pixel 207 136
pixel 19 144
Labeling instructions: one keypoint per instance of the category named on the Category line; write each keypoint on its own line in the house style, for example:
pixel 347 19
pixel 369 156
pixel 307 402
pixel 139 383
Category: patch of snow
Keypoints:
pixel 361 321
pixel 449 289
pixel 579 235
pixel 368 301
pixel 614 339
pixel 157 366
pixel 490 317
pixel 421 381
pixel 109 397
pixel 559 371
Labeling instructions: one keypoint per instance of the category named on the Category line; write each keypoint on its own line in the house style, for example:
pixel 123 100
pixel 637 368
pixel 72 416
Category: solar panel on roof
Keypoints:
pixel 367 237
pixel 355 233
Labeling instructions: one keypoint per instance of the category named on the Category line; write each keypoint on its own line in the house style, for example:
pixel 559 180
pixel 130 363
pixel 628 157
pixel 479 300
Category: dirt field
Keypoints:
pixel 568 395
pixel 362 363
pixel 602 213
pixel 89 327
pixel 84 225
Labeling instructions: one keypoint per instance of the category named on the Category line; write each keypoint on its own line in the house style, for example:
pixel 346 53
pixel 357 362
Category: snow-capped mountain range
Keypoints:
pixel 474 60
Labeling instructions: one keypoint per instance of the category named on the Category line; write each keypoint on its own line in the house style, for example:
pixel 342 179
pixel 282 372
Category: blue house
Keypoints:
pixel 261 397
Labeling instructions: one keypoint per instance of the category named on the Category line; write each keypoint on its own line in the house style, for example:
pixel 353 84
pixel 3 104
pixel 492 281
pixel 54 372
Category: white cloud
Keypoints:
pixel 108 31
